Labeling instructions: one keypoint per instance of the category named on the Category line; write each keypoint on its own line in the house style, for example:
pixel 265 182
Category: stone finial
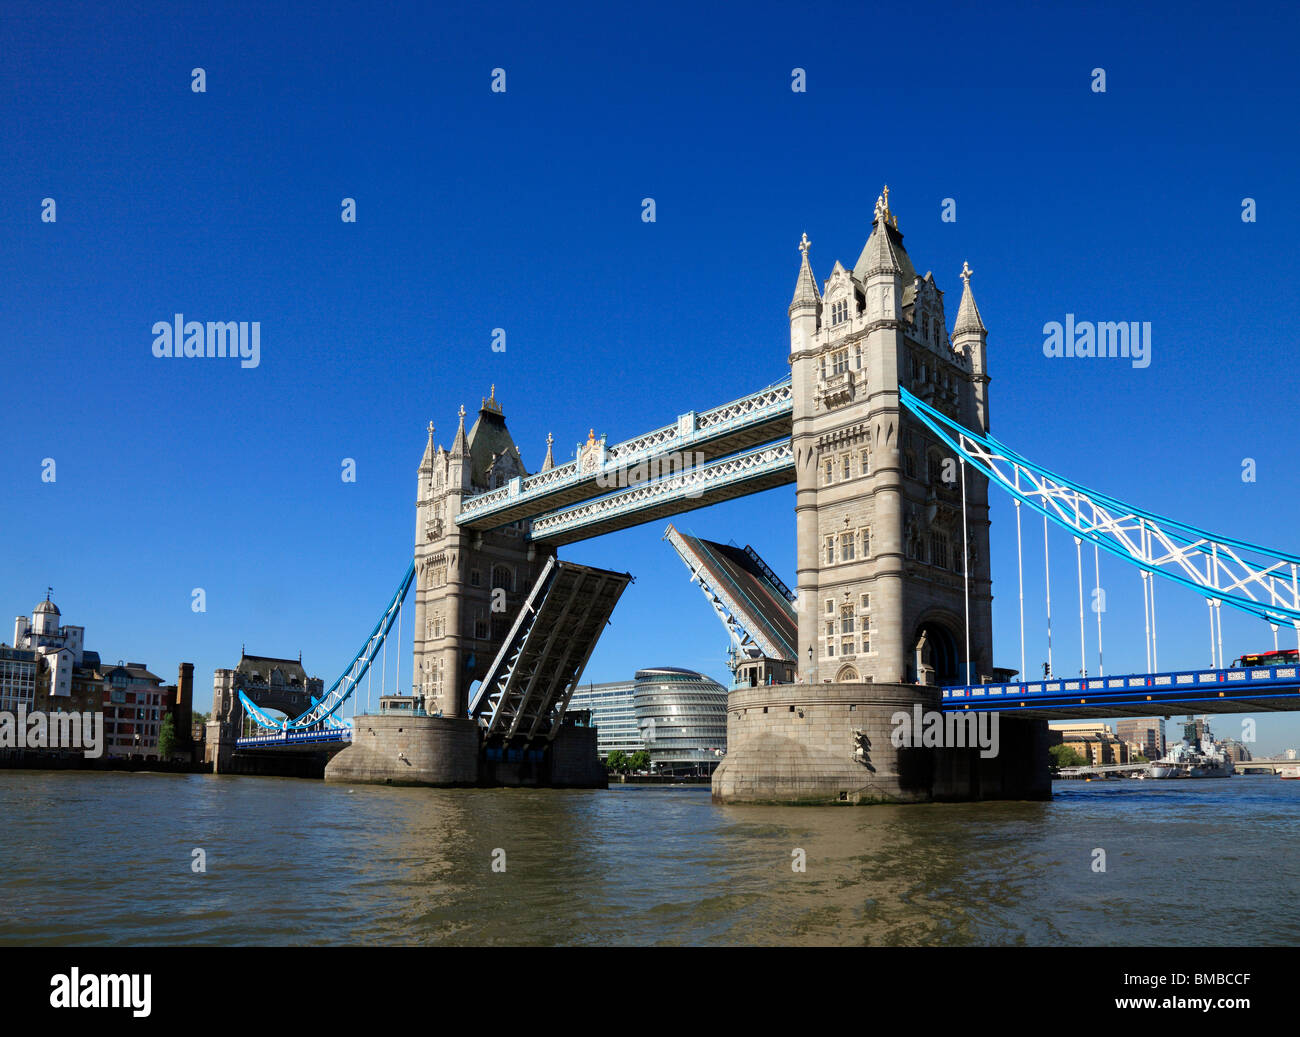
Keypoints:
pixel 966 271
pixel 805 245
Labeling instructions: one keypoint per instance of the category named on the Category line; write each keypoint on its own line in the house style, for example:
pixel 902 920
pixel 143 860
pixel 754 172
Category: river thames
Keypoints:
pixel 94 858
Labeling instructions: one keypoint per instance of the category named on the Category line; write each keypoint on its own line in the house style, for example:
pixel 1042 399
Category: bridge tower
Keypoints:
pixel 883 594
pixel 469 586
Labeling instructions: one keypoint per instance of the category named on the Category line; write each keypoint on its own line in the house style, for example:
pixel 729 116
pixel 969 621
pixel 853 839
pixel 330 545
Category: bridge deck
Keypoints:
pixel 298 741
pixel 1240 690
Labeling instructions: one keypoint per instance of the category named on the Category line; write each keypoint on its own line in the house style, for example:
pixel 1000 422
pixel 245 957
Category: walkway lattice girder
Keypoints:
pixel 737 476
pixel 760 417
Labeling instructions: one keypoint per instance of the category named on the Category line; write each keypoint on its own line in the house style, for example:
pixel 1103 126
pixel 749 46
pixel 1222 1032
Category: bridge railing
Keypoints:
pixel 1231 682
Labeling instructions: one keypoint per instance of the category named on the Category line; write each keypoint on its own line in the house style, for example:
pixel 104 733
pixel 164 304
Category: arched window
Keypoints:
pixel 503 577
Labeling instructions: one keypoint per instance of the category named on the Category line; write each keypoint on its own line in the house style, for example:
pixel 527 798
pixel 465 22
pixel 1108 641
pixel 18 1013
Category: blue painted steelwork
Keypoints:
pixel 286 737
pixel 1144 689
pixel 321 714
pixel 1132 534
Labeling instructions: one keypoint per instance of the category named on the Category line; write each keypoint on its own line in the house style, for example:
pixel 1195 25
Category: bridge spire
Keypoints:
pixel 549 463
pixel 426 464
pixel 459 446
pixel 879 255
pixel 968 314
pixel 805 288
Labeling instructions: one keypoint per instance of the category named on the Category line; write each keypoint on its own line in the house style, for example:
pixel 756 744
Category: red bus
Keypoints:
pixel 1286 657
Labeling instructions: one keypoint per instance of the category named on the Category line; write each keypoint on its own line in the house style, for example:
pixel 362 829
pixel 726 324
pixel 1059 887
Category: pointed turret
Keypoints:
pixel 549 463
pixel 806 295
pixel 459 445
pixel 969 339
pixel 968 314
pixel 806 306
pixel 426 463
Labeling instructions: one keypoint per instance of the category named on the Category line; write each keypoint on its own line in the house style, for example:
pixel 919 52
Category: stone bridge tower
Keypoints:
pixel 882 587
pixel 468 586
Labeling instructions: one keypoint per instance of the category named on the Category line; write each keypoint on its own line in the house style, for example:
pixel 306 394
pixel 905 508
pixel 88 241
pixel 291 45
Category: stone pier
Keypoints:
pixel 831 743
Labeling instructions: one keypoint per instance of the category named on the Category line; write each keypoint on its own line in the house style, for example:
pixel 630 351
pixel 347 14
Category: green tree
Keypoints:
pixel 1065 756
pixel 639 760
pixel 166 738
pixel 200 718
pixel 616 761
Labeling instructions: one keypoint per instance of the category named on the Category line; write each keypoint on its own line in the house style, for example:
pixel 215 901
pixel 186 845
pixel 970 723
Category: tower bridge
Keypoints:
pixel 883 428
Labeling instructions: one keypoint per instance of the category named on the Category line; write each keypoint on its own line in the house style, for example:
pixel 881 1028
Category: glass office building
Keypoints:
pixel 612 713
pixel 682 716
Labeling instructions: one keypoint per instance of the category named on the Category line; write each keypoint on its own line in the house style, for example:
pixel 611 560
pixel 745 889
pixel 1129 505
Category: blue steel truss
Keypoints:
pixel 1257 580
pixel 323 710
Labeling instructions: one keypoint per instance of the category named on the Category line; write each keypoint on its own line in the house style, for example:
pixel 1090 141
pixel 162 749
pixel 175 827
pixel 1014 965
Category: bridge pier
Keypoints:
pixel 832 743
pixel 396 749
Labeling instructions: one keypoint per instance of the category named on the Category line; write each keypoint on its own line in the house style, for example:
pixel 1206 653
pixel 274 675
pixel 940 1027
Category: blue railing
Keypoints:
pixel 1240 682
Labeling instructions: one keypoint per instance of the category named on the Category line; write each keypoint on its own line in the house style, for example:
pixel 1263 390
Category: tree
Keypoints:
pixel 639 760
pixel 616 761
pixel 166 738
pixel 200 718
pixel 1065 756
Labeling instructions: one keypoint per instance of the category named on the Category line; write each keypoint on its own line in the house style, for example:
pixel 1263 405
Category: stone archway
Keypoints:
pixel 847 675
pixel 942 652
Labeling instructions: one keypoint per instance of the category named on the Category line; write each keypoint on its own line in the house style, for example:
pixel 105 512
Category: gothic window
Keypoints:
pixel 480 629
pixel 839 361
pixel 846 547
pixel 938 549
pixel 839 312
pixel 830 471
pixel 857 357
pixel 846 619
pixel 866 598
pixel 866 552
pixel 925 325
pixel 830 550
pixel 830 606
pixel 846 646
pixel 830 629
pixel 830 649
pixel 502 577
pixel 846 466
pixel 909 465
pixel 474 579
pixel 864 462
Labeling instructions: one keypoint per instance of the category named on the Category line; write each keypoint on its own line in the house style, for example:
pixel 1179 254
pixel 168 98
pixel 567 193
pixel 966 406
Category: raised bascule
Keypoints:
pixel 883 428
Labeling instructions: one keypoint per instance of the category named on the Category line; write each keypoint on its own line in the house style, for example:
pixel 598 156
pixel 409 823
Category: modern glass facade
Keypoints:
pixel 682 716
pixel 612 714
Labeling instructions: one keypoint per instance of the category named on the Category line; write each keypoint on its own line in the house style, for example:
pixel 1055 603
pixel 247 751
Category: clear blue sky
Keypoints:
pixel 522 211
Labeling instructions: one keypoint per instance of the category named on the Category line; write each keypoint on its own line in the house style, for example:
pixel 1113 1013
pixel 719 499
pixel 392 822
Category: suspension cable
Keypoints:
pixel 1097 599
pixel 1047 577
pixel 397 688
pixel 965 566
pixel 1020 566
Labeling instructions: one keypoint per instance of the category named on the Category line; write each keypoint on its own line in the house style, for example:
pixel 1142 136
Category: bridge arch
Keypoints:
pixel 943 646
